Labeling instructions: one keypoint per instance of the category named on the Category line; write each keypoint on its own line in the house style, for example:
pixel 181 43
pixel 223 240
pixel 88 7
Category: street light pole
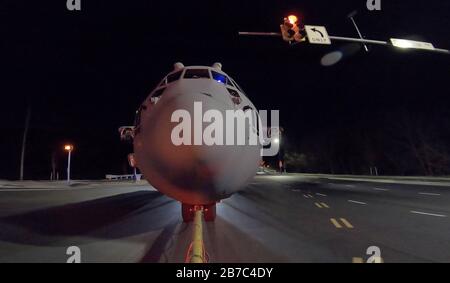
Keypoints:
pixel 68 168
pixel 69 149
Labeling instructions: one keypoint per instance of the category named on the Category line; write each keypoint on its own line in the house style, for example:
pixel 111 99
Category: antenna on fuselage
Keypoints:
pixel 178 66
pixel 217 66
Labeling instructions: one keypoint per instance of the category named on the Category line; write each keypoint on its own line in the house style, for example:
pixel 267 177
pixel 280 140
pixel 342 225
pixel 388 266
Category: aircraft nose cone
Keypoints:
pixel 193 173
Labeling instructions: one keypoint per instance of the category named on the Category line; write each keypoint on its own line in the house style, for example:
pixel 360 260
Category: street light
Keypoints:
pixel 406 43
pixel 68 148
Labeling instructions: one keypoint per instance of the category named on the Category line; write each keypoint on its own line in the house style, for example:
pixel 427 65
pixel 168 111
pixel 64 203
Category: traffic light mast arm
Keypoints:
pixel 346 39
pixel 260 33
pixel 358 40
pixel 337 38
pixel 379 42
pixel 440 50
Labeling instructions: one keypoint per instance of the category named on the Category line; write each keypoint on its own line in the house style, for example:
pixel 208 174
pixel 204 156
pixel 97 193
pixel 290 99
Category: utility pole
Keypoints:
pixel 24 140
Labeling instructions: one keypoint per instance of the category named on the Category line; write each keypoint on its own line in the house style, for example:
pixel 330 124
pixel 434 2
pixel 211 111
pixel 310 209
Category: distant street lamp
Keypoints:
pixel 68 148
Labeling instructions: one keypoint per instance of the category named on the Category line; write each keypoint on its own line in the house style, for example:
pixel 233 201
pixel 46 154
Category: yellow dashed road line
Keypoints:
pixel 343 220
pixel 346 223
pixel 335 223
pixel 318 205
pixel 357 260
pixel 324 205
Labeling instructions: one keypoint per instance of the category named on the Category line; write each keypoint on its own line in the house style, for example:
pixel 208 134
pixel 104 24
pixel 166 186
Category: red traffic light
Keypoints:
pixel 292 19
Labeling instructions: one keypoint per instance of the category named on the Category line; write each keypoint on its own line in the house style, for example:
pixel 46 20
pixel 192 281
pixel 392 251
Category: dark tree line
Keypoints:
pixel 403 142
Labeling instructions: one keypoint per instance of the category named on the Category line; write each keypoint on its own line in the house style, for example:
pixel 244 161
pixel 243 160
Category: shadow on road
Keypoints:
pixel 165 241
pixel 106 218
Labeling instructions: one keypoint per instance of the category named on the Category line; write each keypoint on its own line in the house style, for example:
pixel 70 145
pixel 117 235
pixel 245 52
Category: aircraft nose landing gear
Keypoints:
pixel 188 211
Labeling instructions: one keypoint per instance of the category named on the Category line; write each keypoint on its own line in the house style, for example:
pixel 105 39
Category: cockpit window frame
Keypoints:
pixel 178 75
pixel 156 95
pixel 237 86
pixel 158 91
pixel 163 82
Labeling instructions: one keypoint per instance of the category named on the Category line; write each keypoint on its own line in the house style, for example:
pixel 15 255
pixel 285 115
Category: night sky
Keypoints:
pixel 86 72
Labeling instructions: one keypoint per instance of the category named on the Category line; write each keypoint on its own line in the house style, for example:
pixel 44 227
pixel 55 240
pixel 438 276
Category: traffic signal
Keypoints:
pixel 291 30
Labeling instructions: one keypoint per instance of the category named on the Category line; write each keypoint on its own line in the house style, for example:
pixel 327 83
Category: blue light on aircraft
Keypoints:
pixel 219 77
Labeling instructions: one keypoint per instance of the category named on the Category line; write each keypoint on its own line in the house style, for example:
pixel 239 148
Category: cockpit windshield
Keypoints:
pixel 199 73
pixel 196 74
pixel 221 78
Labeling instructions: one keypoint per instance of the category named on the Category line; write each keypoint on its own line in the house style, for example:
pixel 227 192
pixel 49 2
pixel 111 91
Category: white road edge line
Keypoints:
pixel 426 213
pixel 26 190
pixel 380 189
pixel 357 202
pixel 430 194
pixel 39 190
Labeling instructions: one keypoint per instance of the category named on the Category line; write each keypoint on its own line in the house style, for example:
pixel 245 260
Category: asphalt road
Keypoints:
pixel 289 218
